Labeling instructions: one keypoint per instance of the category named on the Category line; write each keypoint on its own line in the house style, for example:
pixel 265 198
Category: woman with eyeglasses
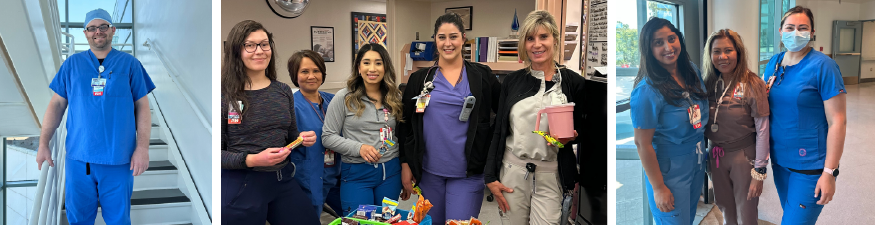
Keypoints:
pixel 807 101
pixel 738 128
pixel 258 120
pixel 668 115
pixel 360 125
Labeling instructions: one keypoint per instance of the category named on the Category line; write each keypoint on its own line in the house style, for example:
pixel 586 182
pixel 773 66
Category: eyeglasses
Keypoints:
pixel 250 47
pixel 102 28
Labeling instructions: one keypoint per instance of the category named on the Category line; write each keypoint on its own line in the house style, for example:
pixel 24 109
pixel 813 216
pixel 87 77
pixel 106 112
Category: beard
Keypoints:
pixel 107 41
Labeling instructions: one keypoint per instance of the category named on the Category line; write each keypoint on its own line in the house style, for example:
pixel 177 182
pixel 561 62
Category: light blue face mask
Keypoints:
pixel 796 40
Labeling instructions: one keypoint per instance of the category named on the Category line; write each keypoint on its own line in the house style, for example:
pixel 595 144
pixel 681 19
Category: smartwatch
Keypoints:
pixel 833 172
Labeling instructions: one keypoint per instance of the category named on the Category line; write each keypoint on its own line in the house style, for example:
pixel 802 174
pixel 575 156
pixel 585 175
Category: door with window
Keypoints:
pixel 847 40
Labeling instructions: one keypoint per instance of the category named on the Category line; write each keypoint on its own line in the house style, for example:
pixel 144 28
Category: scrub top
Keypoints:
pixel 674 135
pixel 445 135
pixel 311 172
pixel 735 119
pixel 101 129
pixel 798 118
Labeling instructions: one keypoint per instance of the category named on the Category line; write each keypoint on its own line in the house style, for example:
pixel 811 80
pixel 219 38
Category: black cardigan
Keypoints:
pixel 520 85
pixel 484 87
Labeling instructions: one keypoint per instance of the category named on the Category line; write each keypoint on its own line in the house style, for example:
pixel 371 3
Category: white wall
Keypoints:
pixel 867 67
pixel 181 30
pixel 404 20
pixel 292 35
pixel 867 10
pixel 491 18
pixel 738 16
pixel 825 12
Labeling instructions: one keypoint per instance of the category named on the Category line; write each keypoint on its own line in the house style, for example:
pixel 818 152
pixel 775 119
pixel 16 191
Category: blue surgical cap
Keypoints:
pixel 97 14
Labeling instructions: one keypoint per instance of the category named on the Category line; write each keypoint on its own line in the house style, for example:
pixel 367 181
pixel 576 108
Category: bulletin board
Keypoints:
pixel 596 51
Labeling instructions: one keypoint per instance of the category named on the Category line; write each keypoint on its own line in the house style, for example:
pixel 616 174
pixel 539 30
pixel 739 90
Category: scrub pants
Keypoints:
pixel 799 204
pixel 316 180
pixel 110 186
pixel 542 207
pixel 252 197
pixel 452 198
pixel 731 185
pixel 684 177
pixel 363 184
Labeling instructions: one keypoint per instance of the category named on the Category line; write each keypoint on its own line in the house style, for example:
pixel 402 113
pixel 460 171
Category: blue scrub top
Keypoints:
pixel 308 159
pixel 674 134
pixel 798 119
pixel 101 129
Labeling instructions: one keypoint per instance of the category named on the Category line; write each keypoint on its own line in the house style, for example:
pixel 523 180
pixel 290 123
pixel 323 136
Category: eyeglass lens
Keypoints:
pixel 250 47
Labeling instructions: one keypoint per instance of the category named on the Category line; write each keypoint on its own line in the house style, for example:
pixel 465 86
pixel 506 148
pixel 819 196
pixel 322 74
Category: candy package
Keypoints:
pixel 348 221
pixel 422 207
pixel 394 219
pixel 366 211
pixel 389 206
pixel 294 144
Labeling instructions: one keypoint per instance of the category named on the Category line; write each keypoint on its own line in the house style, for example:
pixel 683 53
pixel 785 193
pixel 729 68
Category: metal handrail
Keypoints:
pixel 50 187
pixel 151 45
pixel 71 47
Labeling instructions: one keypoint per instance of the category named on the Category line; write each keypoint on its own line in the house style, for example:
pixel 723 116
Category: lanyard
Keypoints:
pixel 321 102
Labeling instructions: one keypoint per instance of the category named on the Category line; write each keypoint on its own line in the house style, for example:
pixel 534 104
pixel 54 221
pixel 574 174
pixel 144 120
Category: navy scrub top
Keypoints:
pixel 798 117
pixel 674 134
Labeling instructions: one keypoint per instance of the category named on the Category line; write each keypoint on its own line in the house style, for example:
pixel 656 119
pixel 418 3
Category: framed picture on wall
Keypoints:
pixel 322 42
pixel 467 14
pixel 368 28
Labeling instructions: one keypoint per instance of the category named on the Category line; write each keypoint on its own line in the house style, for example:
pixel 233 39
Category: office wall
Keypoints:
pixel 867 67
pixel 405 19
pixel 738 16
pixel 491 18
pixel 292 35
pixel 867 10
pixel 182 32
pixel 825 12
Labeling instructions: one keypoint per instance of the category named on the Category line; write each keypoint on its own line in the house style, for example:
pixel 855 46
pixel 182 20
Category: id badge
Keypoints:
pixel 739 91
pixel 769 85
pixel 422 102
pixel 695 116
pixel 97 86
pixel 329 160
pixel 233 116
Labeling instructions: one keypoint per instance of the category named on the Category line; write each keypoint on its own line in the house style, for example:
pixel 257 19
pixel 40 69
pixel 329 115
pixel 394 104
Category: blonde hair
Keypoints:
pixel 537 19
pixel 741 72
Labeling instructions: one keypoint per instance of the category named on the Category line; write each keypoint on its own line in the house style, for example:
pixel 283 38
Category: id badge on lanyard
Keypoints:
pixel 235 117
pixel 97 86
pixel 694 112
pixel 329 160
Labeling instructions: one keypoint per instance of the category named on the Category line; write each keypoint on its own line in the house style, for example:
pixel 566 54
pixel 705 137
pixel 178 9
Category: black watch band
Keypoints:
pixel 761 170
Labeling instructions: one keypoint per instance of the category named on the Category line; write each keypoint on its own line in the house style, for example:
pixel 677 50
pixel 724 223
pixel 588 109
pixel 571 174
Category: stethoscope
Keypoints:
pixel 714 126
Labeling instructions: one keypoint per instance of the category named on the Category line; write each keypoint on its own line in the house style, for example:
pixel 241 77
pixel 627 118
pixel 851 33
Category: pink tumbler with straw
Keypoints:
pixel 560 118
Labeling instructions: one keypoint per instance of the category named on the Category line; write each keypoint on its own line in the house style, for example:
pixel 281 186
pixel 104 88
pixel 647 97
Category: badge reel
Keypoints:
pixel 424 97
pixel 98 84
pixel 233 116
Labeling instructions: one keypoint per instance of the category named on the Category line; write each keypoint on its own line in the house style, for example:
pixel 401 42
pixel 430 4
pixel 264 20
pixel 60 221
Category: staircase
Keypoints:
pixel 157 197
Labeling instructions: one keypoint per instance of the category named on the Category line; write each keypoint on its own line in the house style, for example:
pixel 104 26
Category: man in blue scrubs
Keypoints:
pixel 108 125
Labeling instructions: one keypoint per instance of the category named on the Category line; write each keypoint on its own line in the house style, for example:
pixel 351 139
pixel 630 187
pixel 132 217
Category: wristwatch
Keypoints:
pixel 761 170
pixel 833 172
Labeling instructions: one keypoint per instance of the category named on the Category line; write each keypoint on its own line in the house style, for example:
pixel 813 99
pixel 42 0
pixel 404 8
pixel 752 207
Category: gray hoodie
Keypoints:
pixel 345 133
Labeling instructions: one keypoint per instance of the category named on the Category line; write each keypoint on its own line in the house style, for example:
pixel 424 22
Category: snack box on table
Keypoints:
pixel 425 221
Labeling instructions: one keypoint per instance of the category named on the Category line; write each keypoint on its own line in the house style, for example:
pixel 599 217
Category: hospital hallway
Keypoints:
pixel 851 204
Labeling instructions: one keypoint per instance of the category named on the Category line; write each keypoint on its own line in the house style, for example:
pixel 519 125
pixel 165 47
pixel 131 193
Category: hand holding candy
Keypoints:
pixel 309 138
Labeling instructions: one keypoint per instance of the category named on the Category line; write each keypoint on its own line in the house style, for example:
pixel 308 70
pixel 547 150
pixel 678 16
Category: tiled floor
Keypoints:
pixel 852 202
